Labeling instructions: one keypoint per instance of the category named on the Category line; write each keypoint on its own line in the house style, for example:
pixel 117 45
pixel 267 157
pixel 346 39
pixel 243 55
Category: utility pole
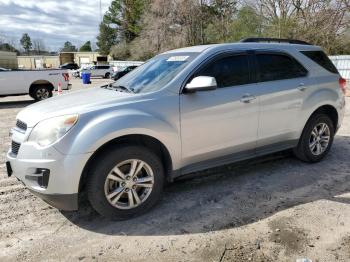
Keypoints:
pixel 101 10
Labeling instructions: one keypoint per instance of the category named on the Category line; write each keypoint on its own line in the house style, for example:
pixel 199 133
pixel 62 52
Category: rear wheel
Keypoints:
pixel 316 140
pixel 107 75
pixel 125 182
pixel 41 93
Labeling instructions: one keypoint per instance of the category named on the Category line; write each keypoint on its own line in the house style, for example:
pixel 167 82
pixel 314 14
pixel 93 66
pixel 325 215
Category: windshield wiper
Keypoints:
pixel 118 87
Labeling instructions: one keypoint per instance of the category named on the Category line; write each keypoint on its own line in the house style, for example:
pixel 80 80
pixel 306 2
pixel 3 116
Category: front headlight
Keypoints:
pixel 50 130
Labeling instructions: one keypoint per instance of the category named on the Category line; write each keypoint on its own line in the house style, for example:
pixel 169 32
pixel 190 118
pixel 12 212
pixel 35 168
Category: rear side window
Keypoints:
pixel 228 71
pixel 278 67
pixel 321 59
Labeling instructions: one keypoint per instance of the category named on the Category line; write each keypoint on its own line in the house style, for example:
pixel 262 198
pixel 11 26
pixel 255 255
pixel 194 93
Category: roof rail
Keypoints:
pixel 277 40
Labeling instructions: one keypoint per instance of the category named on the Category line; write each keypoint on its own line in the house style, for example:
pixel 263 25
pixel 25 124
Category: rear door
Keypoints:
pixel 282 81
pixel 224 121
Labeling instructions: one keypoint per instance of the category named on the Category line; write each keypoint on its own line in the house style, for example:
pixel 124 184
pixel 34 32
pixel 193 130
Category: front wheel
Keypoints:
pixel 125 182
pixel 107 75
pixel 316 140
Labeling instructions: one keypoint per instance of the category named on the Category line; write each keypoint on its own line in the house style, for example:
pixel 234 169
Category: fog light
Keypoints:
pixel 41 176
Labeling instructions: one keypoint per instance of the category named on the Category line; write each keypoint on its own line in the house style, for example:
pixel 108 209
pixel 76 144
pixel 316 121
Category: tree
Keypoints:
pixel 26 42
pixel 106 39
pixel 7 47
pixel 121 24
pixel 319 22
pixel 222 14
pixel 120 51
pixel 148 27
pixel 167 25
pixel 125 16
pixel 39 46
pixel 68 47
pixel 86 47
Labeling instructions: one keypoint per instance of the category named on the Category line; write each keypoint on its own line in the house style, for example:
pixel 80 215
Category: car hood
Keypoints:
pixel 77 102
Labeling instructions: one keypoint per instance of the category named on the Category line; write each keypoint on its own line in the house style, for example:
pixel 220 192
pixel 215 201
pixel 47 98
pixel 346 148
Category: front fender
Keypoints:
pixel 91 133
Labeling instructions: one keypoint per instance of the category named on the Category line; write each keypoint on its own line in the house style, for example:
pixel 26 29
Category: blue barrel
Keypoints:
pixel 86 77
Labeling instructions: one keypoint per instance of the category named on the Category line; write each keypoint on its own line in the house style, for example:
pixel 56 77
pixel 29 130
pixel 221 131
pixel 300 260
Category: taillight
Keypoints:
pixel 342 84
pixel 65 76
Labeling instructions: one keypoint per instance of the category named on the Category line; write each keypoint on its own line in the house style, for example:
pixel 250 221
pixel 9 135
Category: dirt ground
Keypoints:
pixel 275 208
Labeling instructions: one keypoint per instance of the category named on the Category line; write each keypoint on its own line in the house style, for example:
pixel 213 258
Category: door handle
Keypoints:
pixel 301 87
pixel 247 98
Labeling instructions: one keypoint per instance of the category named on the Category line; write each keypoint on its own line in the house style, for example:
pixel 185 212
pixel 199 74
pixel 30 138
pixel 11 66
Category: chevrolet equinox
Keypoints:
pixel 182 111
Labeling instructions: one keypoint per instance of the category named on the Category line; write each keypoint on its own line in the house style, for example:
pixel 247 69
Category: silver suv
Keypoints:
pixel 182 111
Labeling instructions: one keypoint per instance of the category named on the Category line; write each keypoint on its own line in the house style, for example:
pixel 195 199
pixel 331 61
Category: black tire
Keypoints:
pixel 41 92
pixel 105 163
pixel 303 150
pixel 107 75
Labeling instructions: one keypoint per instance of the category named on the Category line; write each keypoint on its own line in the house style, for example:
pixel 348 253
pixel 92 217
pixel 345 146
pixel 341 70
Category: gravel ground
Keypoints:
pixel 274 208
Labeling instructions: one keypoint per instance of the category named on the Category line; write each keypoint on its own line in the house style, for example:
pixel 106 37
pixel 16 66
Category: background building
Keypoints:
pixel 46 61
pixel 38 62
pixel 83 58
pixel 8 60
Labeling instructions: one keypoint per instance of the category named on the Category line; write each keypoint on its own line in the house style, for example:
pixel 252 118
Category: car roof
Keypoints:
pixel 240 46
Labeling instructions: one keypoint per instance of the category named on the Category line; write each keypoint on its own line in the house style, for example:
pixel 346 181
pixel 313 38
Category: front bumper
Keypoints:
pixel 49 174
pixel 67 202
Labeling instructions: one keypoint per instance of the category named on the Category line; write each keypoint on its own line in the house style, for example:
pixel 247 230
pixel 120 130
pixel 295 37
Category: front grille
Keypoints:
pixel 21 125
pixel 15 147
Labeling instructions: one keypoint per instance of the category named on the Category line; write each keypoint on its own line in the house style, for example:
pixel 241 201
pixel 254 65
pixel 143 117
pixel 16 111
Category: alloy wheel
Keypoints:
pixel 319 139
pixel 129 184
pixel 42 93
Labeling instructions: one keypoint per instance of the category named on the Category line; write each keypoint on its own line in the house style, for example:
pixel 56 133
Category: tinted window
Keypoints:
pixel 322 59
pixel 277 67
pixel 228 71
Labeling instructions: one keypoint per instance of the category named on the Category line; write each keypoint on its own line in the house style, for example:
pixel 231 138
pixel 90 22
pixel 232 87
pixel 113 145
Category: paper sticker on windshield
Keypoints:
pixel 177 58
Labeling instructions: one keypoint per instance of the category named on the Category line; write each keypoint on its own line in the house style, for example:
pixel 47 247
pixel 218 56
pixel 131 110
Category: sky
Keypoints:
pixel 52 21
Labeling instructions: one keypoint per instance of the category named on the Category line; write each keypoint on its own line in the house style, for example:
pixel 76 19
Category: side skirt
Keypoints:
pixel 233 158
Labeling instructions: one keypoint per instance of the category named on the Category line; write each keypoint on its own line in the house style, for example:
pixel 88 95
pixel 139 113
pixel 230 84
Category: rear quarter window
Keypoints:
pixel 321 59
pixel 272 67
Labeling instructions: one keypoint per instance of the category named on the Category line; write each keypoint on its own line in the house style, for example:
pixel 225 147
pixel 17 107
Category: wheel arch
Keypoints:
pixel 40 82
pixel 134 139
pixel 328 110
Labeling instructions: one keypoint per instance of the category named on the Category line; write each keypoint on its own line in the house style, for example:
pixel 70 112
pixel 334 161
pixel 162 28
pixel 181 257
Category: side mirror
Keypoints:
pixel 201 83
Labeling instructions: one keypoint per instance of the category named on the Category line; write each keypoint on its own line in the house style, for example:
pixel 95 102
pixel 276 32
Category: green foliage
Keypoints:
pixel 121 23
pixel 139 29
pixel 247 24
pixel 69 47
pixel 106 39
pixel 26 42
pixel 9 48
pixel 86 47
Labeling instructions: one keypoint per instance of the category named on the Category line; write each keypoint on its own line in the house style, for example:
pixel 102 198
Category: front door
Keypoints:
pixel 218 124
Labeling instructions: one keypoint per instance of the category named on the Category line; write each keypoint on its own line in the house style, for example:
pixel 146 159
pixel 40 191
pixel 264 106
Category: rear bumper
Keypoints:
pixel 67 202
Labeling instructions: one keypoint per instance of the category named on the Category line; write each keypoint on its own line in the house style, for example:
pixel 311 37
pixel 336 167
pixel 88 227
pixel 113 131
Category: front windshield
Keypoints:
pixel 155 73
